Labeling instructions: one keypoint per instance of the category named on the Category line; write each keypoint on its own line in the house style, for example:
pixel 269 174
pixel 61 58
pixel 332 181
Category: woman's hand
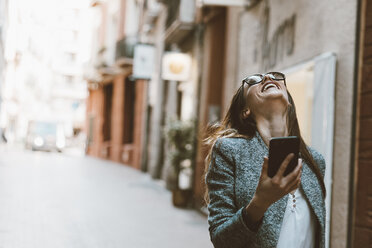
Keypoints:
pixel 269 190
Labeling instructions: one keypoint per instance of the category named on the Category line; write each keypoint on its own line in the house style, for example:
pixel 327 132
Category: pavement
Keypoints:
pixel 58 201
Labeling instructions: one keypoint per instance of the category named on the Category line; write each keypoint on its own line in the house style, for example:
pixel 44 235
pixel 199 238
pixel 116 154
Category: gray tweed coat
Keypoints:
pixel 232 179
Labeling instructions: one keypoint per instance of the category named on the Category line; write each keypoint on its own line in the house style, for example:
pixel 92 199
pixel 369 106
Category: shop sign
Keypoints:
pixel 176 66
pixel 143 61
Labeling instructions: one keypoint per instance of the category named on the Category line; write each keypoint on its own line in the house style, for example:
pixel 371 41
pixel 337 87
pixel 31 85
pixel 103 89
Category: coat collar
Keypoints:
pixel 313 193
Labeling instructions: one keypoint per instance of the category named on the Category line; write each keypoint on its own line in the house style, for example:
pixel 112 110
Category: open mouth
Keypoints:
pixel 269 85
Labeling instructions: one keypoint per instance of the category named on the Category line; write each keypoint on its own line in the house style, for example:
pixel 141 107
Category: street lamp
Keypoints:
pixel 176 66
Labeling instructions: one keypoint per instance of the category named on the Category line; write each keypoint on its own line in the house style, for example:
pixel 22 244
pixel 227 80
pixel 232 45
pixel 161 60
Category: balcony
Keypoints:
pixel 125 48
pixel 181 19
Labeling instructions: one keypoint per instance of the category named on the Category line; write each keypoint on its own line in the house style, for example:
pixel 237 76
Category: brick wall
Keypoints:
pixel 95 115
pixel 363 204
pixel 140 112
pixel 117 118
pixel 127 107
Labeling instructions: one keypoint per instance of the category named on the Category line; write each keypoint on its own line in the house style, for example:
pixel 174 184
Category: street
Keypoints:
pixel 55 200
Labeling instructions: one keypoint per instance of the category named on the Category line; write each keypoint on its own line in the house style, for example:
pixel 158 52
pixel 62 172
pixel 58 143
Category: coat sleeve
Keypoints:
pixel 321 164
pixel 319 159
pixel 226 225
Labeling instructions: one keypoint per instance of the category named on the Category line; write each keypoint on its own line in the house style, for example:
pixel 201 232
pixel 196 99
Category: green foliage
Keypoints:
pixel 180 136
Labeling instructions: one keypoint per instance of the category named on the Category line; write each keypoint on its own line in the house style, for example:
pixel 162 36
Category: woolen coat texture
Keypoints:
pixel 232 178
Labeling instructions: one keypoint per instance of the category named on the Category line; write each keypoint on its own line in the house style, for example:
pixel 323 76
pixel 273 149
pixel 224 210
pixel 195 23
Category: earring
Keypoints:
pixel 246 113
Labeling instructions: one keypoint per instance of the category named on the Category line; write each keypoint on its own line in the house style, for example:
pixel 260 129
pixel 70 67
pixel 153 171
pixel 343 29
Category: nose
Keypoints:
pixel 266 77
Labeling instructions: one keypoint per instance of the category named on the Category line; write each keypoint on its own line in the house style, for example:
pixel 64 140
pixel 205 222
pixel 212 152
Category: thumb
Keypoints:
pixel 265 165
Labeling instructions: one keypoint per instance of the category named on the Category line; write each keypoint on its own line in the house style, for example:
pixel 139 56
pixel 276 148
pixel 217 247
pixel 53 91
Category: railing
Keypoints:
pixel 180 20
pixel 125 47
pixel 173 11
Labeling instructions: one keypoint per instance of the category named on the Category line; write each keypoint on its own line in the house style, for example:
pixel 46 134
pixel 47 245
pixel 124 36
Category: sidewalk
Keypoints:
pixel 53 200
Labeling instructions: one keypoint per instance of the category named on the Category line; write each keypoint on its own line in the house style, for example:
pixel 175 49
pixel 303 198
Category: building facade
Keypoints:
pixel 3 32
pixel 46 50
pixel 116 101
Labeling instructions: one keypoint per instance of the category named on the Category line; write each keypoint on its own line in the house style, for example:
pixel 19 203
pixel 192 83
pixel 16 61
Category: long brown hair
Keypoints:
pixel 234 125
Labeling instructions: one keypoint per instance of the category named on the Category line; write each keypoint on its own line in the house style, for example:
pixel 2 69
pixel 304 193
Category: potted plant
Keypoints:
pixel 180 139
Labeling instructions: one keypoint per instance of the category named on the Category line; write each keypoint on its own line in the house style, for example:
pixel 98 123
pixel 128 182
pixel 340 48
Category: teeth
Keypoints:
pixel 269 85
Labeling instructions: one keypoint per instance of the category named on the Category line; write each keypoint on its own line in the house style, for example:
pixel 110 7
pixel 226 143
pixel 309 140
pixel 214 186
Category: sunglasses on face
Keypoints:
pixel 258 78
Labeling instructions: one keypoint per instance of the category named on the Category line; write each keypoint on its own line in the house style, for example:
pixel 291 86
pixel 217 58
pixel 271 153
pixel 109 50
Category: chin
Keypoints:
pixel 277 98
pixel 275 95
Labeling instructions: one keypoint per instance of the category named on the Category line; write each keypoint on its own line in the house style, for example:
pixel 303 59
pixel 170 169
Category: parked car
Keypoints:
pixel 45 136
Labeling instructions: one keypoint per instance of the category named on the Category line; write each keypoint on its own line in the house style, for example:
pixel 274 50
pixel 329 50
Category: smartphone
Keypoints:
pixel 279 148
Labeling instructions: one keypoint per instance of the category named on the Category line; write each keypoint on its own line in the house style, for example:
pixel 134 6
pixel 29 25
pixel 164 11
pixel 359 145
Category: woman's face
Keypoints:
pixel 263 97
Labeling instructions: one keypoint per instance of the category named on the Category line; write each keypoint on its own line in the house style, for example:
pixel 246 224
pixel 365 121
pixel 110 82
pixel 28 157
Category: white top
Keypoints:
pixel 298 226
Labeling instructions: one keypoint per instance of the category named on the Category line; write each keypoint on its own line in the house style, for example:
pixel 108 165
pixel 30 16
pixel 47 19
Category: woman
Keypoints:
pixel 246 207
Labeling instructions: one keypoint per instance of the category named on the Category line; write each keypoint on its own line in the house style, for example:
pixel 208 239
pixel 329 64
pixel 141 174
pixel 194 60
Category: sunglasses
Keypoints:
pixel 258 78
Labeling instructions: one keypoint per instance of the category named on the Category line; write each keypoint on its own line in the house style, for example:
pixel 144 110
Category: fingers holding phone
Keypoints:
pixel 284 165
pixel 296 170
pixel 284 153
pixel 280 150
pixel 281 172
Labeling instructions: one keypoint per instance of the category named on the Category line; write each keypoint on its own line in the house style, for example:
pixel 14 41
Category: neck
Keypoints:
pixel 272 126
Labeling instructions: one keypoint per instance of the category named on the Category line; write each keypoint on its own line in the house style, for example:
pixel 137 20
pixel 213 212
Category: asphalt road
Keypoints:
pixel 59 201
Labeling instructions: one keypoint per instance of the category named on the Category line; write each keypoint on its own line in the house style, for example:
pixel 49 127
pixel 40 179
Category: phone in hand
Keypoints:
pixel 279 148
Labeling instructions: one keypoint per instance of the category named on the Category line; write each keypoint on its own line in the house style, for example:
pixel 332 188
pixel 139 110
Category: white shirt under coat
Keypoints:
pixel 298 226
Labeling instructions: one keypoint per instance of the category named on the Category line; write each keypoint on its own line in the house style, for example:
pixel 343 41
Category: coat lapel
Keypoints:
pixel 272 223
pixel 313 192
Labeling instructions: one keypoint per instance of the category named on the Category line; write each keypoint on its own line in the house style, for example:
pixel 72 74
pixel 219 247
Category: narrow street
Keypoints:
pixel 59 201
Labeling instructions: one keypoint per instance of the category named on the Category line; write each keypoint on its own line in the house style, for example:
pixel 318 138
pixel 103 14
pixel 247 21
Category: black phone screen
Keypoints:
pixel 279 149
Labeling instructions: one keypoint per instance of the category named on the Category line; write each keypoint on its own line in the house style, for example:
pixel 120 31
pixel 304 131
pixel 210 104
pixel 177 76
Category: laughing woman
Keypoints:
pixel 246 207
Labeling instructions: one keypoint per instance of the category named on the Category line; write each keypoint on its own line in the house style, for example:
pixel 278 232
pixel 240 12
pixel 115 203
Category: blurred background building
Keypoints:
pixel 3 31
pixel 48 45
pixel 124 70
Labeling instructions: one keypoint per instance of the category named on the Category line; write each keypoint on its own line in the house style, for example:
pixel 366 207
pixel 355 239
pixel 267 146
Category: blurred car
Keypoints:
pixel 45 136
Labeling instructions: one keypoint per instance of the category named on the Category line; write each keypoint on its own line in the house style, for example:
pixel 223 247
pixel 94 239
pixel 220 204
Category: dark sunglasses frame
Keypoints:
pixel 262 76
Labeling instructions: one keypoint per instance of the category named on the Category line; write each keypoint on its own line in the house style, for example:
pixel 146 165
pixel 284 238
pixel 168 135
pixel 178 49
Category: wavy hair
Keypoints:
pixel 234 125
